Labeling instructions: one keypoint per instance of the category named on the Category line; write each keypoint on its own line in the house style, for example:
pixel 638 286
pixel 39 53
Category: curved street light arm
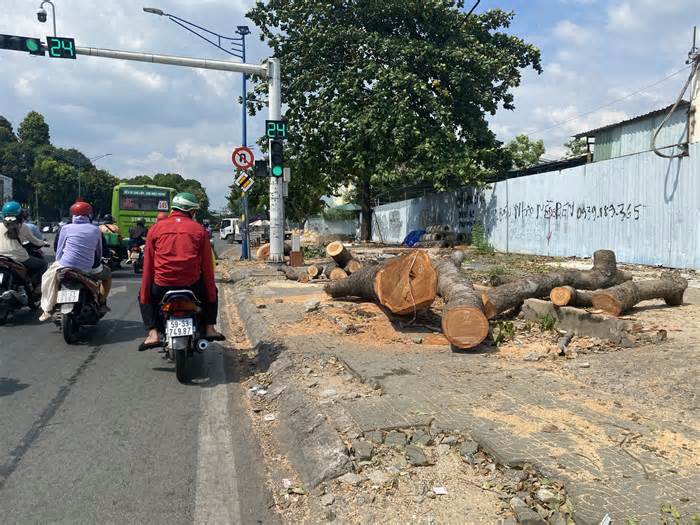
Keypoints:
pixel 53 13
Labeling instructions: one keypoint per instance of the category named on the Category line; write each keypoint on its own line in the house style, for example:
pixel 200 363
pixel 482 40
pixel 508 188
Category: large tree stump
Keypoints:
pixel 263 252
pixel 463 320
pixel 619 299
pixel 403 284
pixel 569 296
pixel 604 274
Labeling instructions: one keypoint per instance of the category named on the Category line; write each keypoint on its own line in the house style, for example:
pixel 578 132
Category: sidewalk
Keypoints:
pixel 618 427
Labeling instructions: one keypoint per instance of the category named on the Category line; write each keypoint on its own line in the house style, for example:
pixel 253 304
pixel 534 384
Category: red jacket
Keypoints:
pixel 177 253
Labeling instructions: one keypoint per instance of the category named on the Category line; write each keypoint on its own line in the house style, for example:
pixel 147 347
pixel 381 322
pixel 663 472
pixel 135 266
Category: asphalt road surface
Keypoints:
pixel 100 433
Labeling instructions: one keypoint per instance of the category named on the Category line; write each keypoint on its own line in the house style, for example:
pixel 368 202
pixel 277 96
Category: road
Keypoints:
pixel 101 433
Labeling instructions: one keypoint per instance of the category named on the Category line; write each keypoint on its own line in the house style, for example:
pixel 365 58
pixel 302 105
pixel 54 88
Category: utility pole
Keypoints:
pixel 276 183
pixel 694 110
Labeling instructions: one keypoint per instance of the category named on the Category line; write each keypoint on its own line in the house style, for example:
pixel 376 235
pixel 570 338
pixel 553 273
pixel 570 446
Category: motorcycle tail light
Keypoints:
pixel 178 307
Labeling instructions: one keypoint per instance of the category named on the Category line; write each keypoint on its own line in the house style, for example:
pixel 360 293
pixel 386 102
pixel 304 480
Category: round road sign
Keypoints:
pixel 242 158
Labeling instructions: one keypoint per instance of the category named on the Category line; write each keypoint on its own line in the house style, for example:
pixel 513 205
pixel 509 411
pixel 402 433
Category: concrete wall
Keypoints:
pixel 5 189
pixel 644 207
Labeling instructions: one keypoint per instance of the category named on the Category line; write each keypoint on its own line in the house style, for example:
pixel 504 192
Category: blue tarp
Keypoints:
pixel 413 237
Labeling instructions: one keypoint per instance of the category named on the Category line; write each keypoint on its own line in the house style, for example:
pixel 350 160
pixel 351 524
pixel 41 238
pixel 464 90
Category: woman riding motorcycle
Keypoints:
pixel 13 234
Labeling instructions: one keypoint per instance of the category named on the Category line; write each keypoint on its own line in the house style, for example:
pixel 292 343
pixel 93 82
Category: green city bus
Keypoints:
pixel 130 201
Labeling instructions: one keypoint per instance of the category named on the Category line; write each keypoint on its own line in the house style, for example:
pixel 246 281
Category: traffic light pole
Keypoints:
pixel 271 71
pixel 274 104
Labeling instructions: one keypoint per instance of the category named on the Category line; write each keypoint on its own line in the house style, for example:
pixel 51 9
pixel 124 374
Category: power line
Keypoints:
pixel 608 104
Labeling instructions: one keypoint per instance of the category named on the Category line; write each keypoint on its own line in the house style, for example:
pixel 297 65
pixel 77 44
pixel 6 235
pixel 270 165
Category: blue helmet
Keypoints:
pixel 12 209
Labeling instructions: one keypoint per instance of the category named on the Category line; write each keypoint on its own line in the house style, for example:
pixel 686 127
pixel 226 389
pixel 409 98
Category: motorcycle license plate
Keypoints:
pixel 68 296
pixel 179 327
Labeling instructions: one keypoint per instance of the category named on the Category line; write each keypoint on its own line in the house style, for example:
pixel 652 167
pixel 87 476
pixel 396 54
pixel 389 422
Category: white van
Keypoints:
pixel 229 230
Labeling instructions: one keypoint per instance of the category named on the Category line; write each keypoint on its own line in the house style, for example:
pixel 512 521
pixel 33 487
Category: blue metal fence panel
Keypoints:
pixel 644 207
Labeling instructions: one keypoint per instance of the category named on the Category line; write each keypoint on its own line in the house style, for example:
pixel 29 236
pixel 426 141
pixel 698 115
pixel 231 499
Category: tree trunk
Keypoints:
pixel 353 266
pixel 295 274
pixel 569 296
pixel 366 205
pixel 621 298
pixel 263 252
pixel 604 274
pixel 434 244
pixel 438 236
pixel 403 284
pixel 318 270
pixel 339 253
pixel 463 320
pixel 333 272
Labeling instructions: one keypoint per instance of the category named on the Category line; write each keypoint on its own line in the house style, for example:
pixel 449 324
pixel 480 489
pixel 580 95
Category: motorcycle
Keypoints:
pixel 17 289
pixel 78 302
pixel 112 260
pixel 136 258
pixel 180 311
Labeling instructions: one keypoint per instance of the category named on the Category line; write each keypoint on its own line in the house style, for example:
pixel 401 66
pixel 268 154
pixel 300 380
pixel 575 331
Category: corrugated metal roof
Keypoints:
pixel 683 105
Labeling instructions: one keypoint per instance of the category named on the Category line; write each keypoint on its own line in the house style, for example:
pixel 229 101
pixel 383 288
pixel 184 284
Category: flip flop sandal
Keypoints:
pixel 147 346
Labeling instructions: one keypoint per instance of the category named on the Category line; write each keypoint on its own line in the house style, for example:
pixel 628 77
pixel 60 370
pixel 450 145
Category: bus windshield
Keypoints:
pixel 144 199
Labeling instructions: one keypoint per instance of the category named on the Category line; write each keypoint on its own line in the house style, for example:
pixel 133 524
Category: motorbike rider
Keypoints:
pixel 108 225
pixel 13 234
pixel 79 247
pixel 26 220
pixel 111 235
pixel 137 233
pixel 177 256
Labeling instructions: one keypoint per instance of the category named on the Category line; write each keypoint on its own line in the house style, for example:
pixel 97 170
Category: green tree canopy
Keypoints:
pixel 525 152
pixel 177 181
pixel 34 131
pixel 575 147
pixel 393 91
pixel 7 135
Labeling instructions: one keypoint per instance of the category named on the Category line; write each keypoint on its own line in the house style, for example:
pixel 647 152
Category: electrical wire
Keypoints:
pixel 683 151
pixel 608 104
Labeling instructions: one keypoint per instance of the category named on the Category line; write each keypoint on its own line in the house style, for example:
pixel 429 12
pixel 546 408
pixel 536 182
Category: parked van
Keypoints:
pixel 229 230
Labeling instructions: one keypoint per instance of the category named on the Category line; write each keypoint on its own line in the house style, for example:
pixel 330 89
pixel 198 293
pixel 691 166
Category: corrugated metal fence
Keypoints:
pixel 644 207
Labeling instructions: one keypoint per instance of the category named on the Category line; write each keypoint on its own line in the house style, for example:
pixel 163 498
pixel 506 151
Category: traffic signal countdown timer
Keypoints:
pixel 21 43
pixel 60 47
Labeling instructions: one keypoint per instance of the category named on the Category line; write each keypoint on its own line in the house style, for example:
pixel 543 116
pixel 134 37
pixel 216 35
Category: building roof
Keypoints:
pixel 683 105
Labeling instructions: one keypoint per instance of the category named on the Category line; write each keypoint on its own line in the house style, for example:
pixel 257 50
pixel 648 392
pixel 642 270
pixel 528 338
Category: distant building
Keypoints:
pixel 5 189
pixel 634 135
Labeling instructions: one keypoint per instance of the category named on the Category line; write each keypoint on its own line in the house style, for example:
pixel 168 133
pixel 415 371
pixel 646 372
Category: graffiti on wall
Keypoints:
pixel 624 211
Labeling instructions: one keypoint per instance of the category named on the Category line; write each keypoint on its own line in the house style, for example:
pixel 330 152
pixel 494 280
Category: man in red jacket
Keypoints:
pixel 178 256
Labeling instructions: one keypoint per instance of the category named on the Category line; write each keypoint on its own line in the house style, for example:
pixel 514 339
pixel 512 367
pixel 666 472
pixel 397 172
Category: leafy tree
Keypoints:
pixel 525 152
pixel 575 147
pixel 56 186
pixel 393 91
pixel 7 135
pixel 177 181
pixel 34 131
pixel 97 186
pixel 16 162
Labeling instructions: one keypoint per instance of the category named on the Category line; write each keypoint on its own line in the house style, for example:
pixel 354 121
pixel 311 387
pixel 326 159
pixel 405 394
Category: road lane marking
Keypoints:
pixel 216 499
pixel 116 290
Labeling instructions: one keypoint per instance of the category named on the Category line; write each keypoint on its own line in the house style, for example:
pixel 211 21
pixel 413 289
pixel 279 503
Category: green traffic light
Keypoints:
pixel 277 171
pixel 31 45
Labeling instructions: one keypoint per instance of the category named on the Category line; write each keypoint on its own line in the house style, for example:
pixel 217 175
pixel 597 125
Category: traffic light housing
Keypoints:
pixel 261 168
pixel 22 43
pixel 276 158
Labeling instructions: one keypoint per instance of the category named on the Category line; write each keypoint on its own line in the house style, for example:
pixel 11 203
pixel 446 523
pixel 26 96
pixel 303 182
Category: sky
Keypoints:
pixel 155 118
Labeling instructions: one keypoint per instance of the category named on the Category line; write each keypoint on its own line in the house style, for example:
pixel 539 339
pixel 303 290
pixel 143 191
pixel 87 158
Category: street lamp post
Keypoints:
pixel 237 50
pixel 79 166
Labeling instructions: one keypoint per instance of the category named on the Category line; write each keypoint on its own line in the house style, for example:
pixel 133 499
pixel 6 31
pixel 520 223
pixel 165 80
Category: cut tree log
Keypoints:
pixel 463 320
pixel 333 272
pixel 263 252
pixel 620 298
pixel 353 266
pixel 404 285
pixel 438 228
pixel 339 253
pixel 570 296
pixel 604 274
pixel 434 244
pixel 317 270
pixel 295 274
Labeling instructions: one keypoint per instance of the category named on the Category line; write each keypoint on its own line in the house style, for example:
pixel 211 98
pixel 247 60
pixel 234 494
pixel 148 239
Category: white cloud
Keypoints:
pixel 621 17
pixel 571 32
